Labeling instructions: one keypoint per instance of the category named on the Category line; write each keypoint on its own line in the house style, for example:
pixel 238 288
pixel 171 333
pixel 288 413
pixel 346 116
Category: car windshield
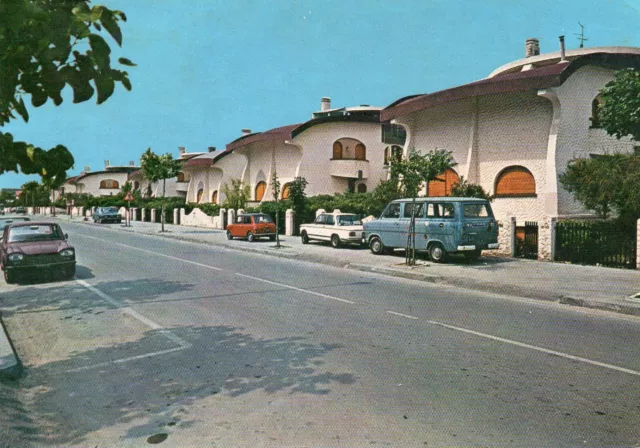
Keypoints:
pixel 263 218
pixel 35 233
pixel 5 222
pixel 349 220
pixel 108 210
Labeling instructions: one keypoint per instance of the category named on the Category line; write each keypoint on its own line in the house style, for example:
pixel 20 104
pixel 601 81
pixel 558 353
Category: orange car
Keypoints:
pixel 252 226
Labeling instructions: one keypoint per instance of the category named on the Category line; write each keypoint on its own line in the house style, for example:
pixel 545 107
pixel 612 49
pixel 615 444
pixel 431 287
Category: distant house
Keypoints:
pixel 337 150
pixel 100 183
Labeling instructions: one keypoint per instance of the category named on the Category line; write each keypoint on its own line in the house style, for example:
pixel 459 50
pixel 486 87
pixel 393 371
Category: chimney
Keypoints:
pixel 212 149
pixel 132 163
pixel 182 150
pixel 325 104
pixel 87 169
pixel 532 48
pixel 563 57
pixel 107 164
pixel 246 131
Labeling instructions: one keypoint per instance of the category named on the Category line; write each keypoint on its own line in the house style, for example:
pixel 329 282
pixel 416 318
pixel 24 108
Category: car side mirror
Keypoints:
pixel 66 236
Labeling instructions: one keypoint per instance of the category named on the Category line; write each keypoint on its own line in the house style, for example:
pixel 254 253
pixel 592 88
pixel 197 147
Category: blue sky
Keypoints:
pixel 208 68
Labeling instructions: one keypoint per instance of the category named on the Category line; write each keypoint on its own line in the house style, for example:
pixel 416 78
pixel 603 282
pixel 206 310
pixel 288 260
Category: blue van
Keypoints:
pixel 444 225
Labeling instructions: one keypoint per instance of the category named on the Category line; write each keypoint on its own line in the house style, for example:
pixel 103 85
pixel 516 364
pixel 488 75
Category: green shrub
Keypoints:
pixel 208 209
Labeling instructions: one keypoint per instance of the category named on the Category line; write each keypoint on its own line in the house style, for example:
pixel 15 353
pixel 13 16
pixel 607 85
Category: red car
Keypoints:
pixel 252 226
pixel 35 247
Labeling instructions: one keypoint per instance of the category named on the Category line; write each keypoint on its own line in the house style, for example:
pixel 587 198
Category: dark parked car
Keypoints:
pixel 252 226
pixel 20 209
pixel 107 214
pixel 35 247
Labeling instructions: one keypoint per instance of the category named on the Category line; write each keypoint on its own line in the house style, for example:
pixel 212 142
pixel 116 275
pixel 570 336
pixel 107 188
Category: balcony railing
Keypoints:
pixel 349 168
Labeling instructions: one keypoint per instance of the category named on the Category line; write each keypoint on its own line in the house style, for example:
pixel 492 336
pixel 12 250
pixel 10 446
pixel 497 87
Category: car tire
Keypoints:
pixel 304 237
pixel 272 238
pixel 376 246
pixel 9 277
pixel 335 241
pixel 229 235
pixel 250 237
pixel 437 253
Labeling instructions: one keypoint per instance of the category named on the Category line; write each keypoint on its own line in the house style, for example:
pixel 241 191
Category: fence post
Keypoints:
pixel 154 213
pixel 638 244
pixel 231 216
pixel 182 215
pixel 176 216
pixel 143 214
pixel 546 238
pixel 507 236
pixel 512 236
pixel 223 216
pixel 289 222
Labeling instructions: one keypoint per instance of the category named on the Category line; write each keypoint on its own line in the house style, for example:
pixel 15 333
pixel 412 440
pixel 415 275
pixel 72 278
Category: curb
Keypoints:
pixel 10 365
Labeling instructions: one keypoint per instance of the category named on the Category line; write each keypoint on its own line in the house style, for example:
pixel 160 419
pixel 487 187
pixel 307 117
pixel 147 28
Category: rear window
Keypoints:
pixel 263 218
pixel 477 211
pixel 349 220
pixel 35 233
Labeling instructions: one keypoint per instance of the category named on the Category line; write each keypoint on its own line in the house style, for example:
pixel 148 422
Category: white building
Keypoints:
pixel 338 150
pixel 515 131
pixel 100 183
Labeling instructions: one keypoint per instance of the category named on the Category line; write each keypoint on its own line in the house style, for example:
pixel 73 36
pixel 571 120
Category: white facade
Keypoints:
pixel 99 183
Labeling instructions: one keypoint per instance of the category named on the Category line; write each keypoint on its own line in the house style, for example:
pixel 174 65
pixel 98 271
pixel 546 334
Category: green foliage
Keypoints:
pixel 236 196
pixel 157 168
pixel 619 111
pixel 418 169
pixel 7 197
pixel 34 193
pixel 606 184
pixel 45 46
pixel 464 189
pixel 298 199
pixel 208 209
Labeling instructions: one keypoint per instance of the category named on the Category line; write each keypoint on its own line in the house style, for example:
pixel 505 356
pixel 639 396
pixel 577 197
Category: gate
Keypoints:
pixel 527 241
pixel 605 243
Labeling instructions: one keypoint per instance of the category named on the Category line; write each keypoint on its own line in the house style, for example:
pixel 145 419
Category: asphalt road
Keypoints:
pixel 214 347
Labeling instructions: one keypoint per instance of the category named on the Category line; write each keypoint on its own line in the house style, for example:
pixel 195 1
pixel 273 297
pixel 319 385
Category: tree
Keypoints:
pixel 464 189
pixel 606 184
pixel 235 196
pixel 275 188
pixel 157 168
pixel 298 198
pixel 413 172
pixel 46 45
pixel 619 110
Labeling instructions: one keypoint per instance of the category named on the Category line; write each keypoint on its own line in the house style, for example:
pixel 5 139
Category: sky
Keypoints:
pixel 206 69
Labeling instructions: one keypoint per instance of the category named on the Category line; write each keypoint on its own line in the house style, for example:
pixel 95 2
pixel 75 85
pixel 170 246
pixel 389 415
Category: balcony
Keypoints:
pixel 349 168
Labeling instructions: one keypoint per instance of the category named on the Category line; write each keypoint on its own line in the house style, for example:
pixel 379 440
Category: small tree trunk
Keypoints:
pixel 164 181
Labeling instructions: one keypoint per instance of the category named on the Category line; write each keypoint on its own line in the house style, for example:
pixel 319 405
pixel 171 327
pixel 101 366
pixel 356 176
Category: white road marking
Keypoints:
pixel 122 360
pixel 540 349
pixel 156 253
pixel 133 313
pixel 402 315
pixel 326 296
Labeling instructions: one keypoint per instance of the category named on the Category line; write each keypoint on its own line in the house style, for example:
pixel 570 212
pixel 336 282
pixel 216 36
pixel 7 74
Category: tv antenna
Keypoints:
pixel 581 37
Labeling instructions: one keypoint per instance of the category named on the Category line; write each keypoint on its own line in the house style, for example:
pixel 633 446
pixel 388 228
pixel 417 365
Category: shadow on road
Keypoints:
pixel 156 392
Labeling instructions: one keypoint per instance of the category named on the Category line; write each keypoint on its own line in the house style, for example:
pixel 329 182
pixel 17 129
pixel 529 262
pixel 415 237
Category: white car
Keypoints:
pixel 338 228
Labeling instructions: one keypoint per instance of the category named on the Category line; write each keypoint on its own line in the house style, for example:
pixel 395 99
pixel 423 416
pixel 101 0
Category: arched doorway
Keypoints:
pixel 362 188
pixel 285 191
pixel 214 197
pixel 199 195
pixel 260 189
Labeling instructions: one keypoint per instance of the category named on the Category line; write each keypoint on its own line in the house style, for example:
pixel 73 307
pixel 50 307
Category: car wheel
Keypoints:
pixel 437 253
pixel 376 246
pixel 229 235
pixel 305 238
pixel 9 277
pixel 272 238
pixel 250 237
pixel 335 241
pixel 473 255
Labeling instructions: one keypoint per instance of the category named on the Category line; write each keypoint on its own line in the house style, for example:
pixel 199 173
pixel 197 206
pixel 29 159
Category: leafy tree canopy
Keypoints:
pixel 619 110
pixel 464 189
pixel 159 167
pixel 235 196
pixel 418 169
pixel 46 45
pixel 606 184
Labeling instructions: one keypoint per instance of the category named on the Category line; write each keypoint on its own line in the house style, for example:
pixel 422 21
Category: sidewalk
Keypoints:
pixel 586 286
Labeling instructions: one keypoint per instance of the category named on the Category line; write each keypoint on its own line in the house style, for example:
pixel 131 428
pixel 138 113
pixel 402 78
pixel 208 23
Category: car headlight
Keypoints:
pixel 67 253
pixel 16 257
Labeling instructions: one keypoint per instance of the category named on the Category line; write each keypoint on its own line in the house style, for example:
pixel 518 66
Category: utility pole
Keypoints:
pixel 581 37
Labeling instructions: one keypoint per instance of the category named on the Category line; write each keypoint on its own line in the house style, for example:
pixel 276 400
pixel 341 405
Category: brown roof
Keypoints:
pixel 538 78
pixel 282 133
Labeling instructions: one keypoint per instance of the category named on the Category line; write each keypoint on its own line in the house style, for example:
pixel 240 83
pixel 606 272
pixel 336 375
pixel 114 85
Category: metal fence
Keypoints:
pixel 604 243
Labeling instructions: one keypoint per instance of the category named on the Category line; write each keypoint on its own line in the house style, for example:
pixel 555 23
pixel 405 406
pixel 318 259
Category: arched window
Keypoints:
pixel 109 184
pixel 337 150
pixel 361 152
pixel 136 185
pixel 285 191
pixel 181 177
pixel 260 188
pixel 443 184
pixel 362 188
pixel 214 197
pixel 515 181
pixel 595 111
pixel 199 196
